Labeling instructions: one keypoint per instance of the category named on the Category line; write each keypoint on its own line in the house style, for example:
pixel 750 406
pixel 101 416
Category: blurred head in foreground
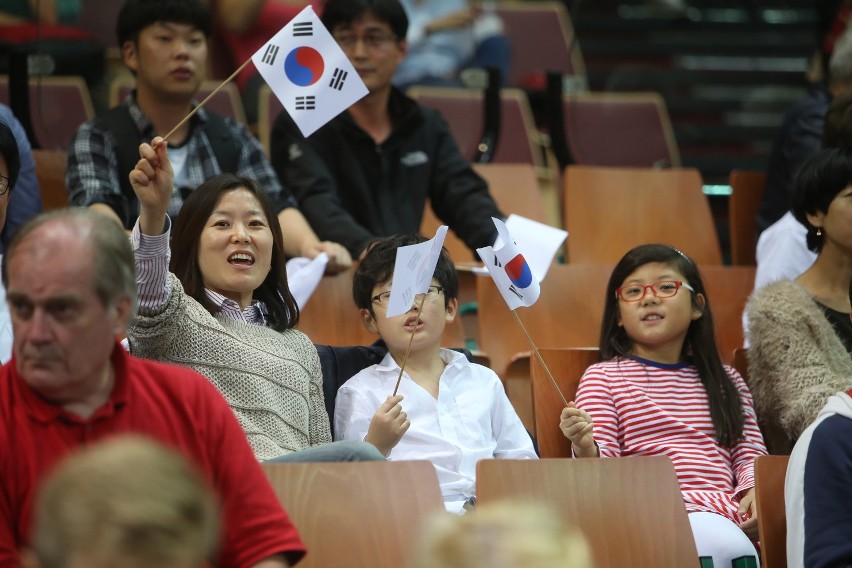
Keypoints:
pixel 502 535
pixel 128 502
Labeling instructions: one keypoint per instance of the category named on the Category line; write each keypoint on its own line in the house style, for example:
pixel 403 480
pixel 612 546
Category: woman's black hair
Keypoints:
pixel 820 179
pixel 699 347
pixel 283 312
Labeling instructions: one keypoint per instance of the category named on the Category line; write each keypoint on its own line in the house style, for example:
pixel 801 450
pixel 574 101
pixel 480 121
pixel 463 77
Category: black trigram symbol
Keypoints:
pixel 306 103
pixel 270 54
pixel 338 78
pixel 303 29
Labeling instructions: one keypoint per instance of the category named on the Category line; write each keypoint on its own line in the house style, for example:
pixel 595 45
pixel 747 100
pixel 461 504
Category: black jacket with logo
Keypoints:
pixel 352 190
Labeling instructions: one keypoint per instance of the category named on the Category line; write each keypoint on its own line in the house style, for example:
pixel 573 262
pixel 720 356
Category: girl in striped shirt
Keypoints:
pixel 662 390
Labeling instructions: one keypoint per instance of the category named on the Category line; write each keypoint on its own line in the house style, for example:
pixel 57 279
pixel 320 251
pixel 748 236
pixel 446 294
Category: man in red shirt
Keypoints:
pixel 71 290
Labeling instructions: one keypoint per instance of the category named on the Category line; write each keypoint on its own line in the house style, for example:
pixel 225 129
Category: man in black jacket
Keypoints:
pixel 370 171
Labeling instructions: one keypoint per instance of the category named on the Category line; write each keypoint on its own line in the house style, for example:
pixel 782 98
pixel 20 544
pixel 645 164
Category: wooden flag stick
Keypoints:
pixel 410 341
pixel 540 360
pixel 204 102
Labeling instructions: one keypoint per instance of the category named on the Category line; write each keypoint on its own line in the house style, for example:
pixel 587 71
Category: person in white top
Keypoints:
pixel 782 253
pixel 10 166
pixel 455 412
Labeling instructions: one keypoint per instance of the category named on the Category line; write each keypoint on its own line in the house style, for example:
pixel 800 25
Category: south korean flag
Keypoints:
pixel 308 72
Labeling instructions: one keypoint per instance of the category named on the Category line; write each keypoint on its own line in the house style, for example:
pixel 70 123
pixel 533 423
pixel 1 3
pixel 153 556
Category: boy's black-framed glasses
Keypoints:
pixel 430 295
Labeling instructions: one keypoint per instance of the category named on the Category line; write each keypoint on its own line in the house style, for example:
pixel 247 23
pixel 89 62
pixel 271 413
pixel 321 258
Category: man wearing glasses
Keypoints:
pixel 370 171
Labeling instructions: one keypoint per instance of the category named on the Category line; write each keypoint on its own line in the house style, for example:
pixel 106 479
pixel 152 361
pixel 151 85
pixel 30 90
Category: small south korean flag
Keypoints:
pixel 509 270
pixel 308 72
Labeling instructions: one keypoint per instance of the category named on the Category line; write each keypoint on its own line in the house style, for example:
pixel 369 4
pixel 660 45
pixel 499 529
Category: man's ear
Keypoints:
pixel 368 320
pixel 452 309
pixel 698 311
pixel 122 312
pixel 403 50
pixel 129 54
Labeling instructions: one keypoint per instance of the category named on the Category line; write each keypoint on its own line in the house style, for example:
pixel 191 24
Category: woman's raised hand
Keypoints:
pixel 153 181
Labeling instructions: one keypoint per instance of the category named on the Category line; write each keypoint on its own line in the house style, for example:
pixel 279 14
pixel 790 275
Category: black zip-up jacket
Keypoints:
pixel 352 190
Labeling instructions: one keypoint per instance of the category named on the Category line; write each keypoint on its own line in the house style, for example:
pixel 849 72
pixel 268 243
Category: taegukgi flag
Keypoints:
pixel 510 271
pixel 308 72
pixel 413 271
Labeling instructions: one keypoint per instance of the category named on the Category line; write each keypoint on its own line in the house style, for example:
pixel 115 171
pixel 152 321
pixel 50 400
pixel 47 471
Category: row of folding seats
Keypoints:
pixel 372 513
pixel 629 510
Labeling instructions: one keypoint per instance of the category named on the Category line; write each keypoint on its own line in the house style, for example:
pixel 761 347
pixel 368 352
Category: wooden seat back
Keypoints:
pixel 358 514
pixel 515 189
pixel 50 168
pixel 630 509
pixel 609 211
pixel 746 196
pixel 645 136
pixel 567 367
pixel 769 475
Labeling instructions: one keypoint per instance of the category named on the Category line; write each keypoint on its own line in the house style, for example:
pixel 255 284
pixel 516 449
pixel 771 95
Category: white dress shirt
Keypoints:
pixel 472 419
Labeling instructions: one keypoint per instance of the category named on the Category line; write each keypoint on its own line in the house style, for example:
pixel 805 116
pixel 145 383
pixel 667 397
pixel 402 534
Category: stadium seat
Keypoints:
pixel 728 288
pixel 743 205
pixel 567 314
pixel 769 475
pixel 357 513
pixel 50 172
pixel 58 106
pixel 630 509
pixel 268 109
pixel 617 130
pixel 542 39
pixel 519 141
pixel 515 189
pixel 567 367
pixel 608 211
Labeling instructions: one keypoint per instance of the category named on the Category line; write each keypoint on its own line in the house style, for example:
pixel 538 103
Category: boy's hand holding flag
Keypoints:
pixel 308 72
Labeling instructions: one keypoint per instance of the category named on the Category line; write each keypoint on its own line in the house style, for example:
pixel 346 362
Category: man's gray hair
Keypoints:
pixel 114 274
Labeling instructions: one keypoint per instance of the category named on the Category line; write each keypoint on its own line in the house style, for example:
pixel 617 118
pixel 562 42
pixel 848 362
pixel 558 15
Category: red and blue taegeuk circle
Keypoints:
pixel 304 66
pixel 519 272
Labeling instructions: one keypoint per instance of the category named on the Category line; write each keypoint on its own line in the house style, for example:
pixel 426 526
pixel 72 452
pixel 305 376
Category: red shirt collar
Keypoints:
pixel 42 410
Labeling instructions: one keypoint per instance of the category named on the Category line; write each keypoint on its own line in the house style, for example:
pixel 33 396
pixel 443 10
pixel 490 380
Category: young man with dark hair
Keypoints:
pixel 164 44
pixel 456 411
pixel 370 171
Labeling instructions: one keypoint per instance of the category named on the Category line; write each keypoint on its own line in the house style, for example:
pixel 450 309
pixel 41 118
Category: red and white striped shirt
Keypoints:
pixel 643 408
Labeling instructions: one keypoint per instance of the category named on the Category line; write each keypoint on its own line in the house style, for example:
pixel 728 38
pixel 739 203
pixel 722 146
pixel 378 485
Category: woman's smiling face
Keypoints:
pixel 235 248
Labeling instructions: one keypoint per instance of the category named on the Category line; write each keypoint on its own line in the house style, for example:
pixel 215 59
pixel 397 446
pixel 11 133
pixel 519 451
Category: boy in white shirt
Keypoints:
pixel 456 412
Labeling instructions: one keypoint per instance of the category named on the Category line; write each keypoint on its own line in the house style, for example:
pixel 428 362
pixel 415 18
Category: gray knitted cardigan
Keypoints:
pixel 795 359
pixel 271 380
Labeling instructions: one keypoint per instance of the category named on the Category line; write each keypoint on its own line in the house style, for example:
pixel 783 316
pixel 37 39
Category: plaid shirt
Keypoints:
pixel 93 175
